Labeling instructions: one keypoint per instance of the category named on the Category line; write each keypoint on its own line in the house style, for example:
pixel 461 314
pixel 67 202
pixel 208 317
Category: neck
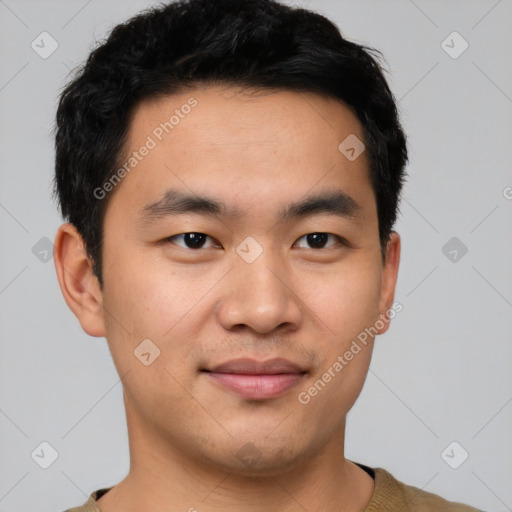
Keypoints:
pixel 163 477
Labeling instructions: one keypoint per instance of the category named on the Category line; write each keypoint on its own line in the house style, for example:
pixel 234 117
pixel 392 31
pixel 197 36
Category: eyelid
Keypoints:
pixel 340 239
pixel 168 239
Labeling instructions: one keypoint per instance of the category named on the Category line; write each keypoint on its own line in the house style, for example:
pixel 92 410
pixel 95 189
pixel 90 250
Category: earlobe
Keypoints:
pixel 79 285
pixel 389 278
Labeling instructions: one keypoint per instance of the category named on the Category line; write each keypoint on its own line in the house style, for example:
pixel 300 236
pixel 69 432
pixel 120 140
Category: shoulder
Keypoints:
pixel 391 493
pixel 90 505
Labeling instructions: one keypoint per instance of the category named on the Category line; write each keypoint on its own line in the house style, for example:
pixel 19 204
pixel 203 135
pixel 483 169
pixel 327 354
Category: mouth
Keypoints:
pixel 254 380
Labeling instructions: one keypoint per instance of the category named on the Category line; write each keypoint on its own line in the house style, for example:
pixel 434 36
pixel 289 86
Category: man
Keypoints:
pixel 231 172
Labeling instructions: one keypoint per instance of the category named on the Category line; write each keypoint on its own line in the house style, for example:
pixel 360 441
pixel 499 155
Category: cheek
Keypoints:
pixel 147 299
pixel 141 304
pixel 344 301
pixel 146 296
pixel 345 305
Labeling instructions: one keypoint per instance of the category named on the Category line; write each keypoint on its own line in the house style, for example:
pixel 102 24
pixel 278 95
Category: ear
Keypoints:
pixel 389 277
pixel 79 285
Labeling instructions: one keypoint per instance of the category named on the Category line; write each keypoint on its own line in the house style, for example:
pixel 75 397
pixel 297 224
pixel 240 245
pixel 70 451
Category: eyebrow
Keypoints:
pixel 177 202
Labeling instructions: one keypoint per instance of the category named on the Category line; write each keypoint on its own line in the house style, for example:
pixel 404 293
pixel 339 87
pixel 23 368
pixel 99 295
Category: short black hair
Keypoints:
pixel 257 44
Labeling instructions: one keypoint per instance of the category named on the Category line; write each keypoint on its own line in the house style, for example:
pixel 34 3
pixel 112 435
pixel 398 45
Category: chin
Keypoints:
pixel 257 459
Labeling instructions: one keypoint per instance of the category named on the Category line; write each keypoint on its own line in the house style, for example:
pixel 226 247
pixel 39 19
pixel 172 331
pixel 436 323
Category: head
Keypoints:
pixel 259 128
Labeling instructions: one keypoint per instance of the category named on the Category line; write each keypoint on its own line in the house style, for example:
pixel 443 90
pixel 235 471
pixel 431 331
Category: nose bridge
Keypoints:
pixel 259 295
pixel 260 276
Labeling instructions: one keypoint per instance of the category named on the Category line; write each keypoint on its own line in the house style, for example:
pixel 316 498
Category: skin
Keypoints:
pixel 202 307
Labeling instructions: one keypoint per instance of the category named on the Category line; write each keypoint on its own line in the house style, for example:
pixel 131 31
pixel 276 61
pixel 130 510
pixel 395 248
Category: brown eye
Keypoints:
pixel 319 240
pixel 190 240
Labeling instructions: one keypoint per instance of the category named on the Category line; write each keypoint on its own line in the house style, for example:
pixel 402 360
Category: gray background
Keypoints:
pixel 442 371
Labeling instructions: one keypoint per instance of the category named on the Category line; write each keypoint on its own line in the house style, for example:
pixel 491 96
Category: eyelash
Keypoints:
pixel 339 238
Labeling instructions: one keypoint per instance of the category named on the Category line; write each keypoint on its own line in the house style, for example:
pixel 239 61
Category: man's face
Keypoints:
pixel 253 285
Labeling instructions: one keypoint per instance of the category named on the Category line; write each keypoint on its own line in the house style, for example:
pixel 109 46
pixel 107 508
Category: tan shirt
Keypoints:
pixel 389 495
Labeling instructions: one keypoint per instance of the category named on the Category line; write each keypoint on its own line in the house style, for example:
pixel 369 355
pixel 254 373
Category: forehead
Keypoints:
pixel 246 148
pixel 226 114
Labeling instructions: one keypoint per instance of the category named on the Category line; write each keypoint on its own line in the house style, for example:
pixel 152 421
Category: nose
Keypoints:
pixel 260 296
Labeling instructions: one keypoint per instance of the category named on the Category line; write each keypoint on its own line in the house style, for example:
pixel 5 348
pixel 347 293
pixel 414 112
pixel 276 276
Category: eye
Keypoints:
pixel 191 240
pixel 195 240
pixel 319 240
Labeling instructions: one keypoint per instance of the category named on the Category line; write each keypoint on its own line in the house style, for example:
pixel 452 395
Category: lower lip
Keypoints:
pixel 257 387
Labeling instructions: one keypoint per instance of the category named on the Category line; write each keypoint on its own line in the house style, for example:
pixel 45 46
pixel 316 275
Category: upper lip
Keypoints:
pixel 248 366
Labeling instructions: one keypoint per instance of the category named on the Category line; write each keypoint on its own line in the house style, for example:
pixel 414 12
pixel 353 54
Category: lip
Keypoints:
pixel 247 366
pixel 257 380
